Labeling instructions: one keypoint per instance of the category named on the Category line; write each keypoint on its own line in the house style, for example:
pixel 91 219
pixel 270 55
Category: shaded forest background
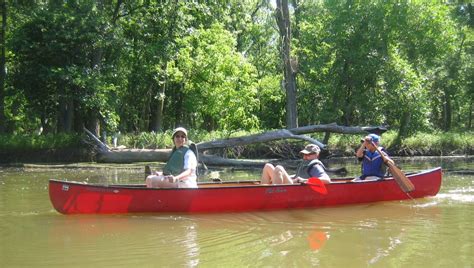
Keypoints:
pixel 148 65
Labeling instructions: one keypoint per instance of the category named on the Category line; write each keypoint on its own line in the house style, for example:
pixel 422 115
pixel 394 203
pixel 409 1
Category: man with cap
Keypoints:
pixel 312 168
pixel 373 167
pixel 180 170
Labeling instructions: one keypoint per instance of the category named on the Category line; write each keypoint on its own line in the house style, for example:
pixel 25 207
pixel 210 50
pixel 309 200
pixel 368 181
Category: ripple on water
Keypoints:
pixel 463 195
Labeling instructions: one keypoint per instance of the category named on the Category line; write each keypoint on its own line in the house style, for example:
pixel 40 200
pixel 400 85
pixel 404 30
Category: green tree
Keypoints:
pixel 59 54
pixel 218 85
pixel 361 59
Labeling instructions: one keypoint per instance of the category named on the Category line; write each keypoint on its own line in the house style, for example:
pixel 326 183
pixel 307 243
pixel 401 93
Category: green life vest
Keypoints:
pixel 175 164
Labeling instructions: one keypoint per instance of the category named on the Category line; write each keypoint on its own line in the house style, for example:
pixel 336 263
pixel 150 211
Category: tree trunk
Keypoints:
pixel 65 115
pixel 447 111
pixel 283 22
pixel 45 124
pixel 78 122
pixel 93 124
pixel 3 119
pixel 92 117
pixel 157 106
pixel 403 130
pixel 179 105
pixel 296 31
pixel 470 116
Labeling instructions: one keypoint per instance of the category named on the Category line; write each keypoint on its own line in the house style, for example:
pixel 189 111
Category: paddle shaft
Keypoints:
pixel 405 184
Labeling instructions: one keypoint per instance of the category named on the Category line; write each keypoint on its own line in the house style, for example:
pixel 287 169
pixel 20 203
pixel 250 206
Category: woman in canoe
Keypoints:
pixel 313 168
pixel 180 170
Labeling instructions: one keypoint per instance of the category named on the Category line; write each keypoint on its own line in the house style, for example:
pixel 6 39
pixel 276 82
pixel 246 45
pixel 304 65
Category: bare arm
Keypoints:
pixel 360 151
pixel 183 175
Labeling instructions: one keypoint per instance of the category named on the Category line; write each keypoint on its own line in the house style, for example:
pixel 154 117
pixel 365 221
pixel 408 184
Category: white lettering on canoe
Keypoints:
pixel 275 190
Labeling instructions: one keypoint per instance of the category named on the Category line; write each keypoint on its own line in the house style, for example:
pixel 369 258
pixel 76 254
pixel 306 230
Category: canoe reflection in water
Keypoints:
pixel 370 233
pixel 365 233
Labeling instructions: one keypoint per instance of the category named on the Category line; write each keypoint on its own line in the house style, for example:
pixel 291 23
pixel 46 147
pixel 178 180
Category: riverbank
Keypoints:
pixel 72 148
pixel 60 155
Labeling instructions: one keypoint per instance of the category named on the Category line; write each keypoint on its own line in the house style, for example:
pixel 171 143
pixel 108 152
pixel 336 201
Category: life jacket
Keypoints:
pixel 175 164
pixel 306 166
pixel 372 164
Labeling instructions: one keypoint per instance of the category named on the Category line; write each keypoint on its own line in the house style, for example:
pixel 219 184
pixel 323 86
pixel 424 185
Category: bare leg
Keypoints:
pixel 159 181
pixel 281 176
pixel 267 174
pixel 153 181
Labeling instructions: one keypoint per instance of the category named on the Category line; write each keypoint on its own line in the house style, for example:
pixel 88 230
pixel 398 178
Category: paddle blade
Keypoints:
pixel 317 185
pixel 405 184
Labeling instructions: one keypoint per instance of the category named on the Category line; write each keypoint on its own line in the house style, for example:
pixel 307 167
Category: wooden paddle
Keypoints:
pixel 317 185
pixel 405 184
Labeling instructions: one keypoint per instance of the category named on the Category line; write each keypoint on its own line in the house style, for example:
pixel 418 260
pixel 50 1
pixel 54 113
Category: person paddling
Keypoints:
pixel 373 167
pixel 180 170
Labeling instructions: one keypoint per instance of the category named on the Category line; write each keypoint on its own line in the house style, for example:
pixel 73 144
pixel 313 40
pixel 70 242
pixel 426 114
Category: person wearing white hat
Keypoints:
pixel 180 170
pixel 313 168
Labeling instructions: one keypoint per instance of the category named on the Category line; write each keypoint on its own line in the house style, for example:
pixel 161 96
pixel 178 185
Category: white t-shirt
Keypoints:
pixel 190 162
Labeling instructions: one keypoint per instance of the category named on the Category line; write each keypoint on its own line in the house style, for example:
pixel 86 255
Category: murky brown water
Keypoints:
pixel 431 232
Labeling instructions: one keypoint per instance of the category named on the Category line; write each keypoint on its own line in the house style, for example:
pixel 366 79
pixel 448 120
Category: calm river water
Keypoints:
pixel 431 232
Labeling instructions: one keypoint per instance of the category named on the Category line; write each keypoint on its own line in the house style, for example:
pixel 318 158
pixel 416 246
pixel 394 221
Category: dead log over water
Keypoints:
pixel 108 155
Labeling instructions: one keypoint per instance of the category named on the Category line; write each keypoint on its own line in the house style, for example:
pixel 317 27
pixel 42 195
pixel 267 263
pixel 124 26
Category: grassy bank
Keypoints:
pixel 432 144
pixel 39 142
pixel 44 148
pixel 435 144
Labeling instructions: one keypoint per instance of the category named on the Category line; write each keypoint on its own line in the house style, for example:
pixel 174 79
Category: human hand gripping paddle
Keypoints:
pixel 405 184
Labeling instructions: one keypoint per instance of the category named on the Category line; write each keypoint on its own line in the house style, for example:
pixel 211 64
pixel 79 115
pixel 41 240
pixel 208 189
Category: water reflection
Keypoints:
pixel 317 239
pixel 234 239
pixel 369 233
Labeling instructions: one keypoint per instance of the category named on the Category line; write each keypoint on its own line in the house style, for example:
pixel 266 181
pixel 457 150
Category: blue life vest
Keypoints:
pixel 372 164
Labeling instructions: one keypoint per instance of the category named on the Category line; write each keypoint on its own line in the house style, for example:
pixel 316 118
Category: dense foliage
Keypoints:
pixel 148 65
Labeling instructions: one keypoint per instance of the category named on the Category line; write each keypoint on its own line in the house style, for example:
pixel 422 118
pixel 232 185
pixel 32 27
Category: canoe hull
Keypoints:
pixel 80 198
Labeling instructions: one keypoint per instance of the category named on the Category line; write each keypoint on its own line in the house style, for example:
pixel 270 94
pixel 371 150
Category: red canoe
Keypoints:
pixel 82 198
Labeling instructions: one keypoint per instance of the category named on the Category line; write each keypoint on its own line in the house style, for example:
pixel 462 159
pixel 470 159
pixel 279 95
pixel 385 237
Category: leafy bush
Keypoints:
pixel 437 143
pixel 444 143
pixel 34 142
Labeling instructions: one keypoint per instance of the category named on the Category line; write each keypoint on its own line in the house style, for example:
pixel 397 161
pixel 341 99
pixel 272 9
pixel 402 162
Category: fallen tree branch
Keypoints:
pixel 102 146
pixel 294 133
pixel 105 154
pixel 256 138
pixel 134 155
pixel 335 128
